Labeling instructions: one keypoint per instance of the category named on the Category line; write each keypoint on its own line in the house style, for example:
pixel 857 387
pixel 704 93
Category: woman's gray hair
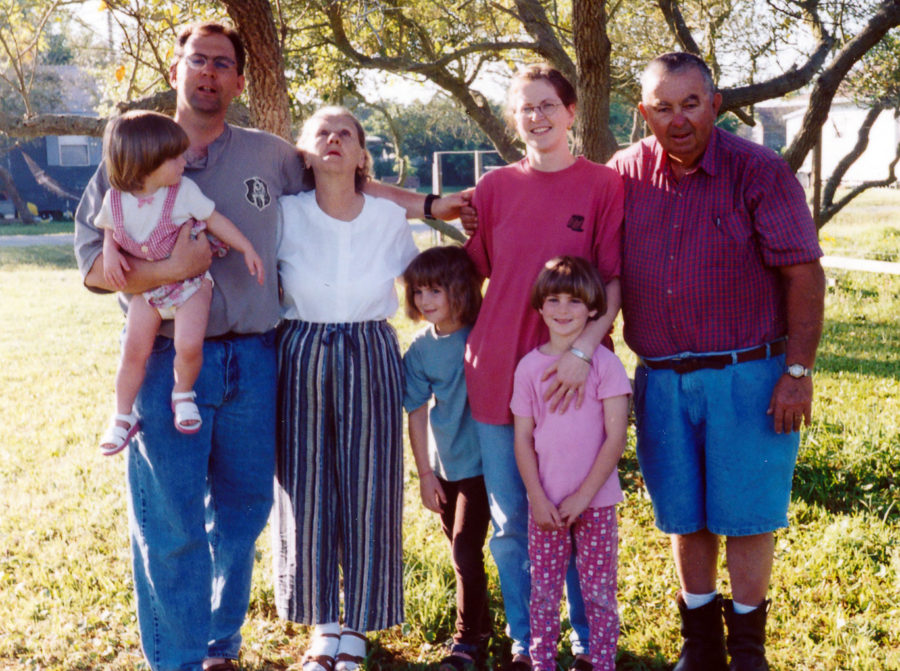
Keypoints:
pixel 364 173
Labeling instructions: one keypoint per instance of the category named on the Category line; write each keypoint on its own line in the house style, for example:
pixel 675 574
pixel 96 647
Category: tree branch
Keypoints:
pixel 793 79
pixel 534 19
pixel 862 141
pixel 827 213
pixel 51 124
pixel 678 26
pixel 887 17
pixel 474 104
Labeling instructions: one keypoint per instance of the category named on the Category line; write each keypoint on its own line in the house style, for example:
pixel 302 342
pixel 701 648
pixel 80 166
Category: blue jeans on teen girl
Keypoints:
pixel 509 544
pixel 197 503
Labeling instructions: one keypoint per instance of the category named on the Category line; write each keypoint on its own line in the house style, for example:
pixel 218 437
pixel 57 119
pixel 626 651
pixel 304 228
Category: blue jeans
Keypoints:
pixel 509 544
pixel 197 503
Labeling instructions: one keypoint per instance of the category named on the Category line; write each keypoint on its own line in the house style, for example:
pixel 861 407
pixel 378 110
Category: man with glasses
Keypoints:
pixel 197 503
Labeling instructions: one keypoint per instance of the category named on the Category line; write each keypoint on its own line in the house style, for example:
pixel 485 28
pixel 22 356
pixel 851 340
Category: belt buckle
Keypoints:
pixel 686 365
pixel 695 363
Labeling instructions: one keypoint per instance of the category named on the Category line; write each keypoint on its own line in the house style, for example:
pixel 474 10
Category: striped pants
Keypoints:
pixel 339 479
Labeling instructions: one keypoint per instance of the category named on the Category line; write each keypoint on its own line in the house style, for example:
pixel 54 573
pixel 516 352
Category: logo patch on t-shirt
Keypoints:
pixel 576 223
pixel 257 193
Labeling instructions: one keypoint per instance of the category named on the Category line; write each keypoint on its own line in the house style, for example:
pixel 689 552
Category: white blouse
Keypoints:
pixel 335 271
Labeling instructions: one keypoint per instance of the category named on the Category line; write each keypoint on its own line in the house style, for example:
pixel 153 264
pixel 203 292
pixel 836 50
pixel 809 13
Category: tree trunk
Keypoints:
pixel 592 51
pixel 8 186
pixel 637 126
pixel 270 107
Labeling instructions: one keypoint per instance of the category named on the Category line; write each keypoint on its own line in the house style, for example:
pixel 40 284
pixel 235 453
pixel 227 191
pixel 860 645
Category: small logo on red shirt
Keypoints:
pixel 576 223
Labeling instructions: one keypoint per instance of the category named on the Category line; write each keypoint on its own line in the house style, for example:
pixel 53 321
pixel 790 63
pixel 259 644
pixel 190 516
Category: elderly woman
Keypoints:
pixel 340 446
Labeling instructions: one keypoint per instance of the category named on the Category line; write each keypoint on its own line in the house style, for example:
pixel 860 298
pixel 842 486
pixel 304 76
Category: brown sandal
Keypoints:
pixel 324 662
pixel 347 661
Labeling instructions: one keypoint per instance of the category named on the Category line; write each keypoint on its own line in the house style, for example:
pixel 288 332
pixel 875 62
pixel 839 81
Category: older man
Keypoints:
pixel 197 503
pixel 723 303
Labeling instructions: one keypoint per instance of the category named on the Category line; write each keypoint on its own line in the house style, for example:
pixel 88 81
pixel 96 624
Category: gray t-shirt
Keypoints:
pixel 244 173
pixel 434 367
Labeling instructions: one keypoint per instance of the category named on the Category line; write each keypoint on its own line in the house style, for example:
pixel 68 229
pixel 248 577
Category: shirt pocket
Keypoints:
pixel 731 240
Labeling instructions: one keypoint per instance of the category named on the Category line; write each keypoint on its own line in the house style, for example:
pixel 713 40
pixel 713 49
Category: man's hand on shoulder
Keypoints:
pixel 791 403
pixel 450 206
pixel 468 215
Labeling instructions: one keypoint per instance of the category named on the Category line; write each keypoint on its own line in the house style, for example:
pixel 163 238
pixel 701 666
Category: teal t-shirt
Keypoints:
pixel 434 368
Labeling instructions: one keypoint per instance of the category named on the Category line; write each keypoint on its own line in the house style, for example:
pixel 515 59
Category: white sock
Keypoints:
pixel 325 645
pixel 742 608
pixel 353 645
pixel 696 600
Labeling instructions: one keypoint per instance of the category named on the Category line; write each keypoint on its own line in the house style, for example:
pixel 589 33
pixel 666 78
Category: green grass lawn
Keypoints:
pixel 65 586
pixel 38 228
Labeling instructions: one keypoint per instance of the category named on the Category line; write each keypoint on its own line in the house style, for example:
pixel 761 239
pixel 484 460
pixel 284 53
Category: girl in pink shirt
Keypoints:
pixel 568 464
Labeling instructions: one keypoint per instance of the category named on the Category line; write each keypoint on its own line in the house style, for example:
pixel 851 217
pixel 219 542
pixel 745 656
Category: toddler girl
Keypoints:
pixel 568 464
pixel 141 215
pixel 443 287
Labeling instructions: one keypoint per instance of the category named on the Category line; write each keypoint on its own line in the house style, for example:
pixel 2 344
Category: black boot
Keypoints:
pixel 747 638
pixel 704 637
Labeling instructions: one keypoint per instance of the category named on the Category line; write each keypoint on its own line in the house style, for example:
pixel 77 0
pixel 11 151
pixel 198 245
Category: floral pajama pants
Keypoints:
pixel 595 540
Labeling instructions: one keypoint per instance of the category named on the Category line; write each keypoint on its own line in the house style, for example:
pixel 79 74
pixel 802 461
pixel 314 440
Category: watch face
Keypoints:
pixel 796 370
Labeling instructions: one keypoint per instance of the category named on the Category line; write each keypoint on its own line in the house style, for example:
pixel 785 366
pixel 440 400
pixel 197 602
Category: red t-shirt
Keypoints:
pixel 525 218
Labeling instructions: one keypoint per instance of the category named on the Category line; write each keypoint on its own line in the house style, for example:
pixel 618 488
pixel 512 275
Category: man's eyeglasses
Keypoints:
pixel 546 110
pixel 198 62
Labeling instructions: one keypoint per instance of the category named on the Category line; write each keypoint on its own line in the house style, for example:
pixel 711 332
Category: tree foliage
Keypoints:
pixel 305 53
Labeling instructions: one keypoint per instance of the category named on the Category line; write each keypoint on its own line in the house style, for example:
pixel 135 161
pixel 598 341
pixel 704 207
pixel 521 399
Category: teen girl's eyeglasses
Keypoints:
pixel 546 110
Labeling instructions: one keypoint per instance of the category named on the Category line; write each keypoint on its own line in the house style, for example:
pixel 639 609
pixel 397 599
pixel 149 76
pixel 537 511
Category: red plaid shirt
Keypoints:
pixel 699 271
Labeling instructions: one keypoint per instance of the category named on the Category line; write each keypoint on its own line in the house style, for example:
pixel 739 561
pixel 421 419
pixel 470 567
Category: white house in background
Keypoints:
pixel 839 135
pixel 779 122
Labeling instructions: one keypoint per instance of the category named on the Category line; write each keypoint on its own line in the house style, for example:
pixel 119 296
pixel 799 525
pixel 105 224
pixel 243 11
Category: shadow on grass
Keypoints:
pixel 381 659
pixel 841 479
pixel 59 257
pixel 865 486
pixel 860 346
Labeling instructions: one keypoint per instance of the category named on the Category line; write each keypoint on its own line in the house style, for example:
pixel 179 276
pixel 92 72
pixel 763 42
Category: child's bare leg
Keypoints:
pixel 190 329
pixel 141 327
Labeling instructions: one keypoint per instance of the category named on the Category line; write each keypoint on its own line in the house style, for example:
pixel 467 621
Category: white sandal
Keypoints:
pixel 186 411
pixel 117 437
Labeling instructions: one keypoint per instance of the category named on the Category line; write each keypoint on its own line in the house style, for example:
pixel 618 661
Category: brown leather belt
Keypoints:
pixel 689 364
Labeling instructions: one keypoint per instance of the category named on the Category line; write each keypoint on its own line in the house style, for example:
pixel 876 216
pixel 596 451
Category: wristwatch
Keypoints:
pixel 798 370
pixel 429 201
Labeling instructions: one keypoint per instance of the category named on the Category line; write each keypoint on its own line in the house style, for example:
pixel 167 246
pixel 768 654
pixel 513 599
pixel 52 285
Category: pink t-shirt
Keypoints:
pixel 567 444
pixel 525 218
